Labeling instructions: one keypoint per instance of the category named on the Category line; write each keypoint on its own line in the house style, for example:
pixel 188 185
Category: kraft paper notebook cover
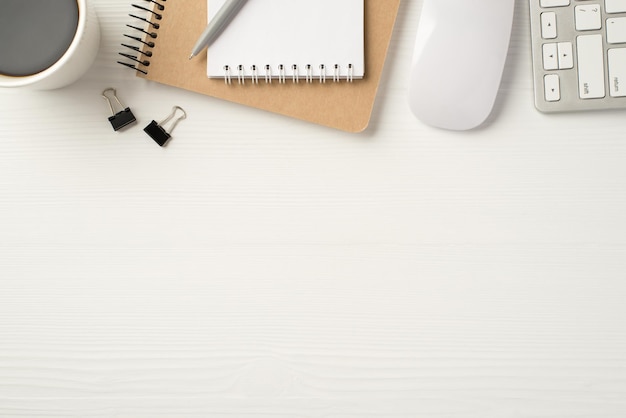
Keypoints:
pixel 342 105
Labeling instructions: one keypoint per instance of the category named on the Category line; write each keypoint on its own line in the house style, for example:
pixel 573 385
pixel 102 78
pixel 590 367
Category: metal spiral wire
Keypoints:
pixel 140 53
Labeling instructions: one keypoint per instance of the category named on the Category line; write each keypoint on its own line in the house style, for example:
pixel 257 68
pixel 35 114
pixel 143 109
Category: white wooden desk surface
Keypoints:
pixel 266 267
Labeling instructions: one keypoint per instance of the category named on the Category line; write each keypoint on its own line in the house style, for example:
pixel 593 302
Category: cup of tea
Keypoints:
pixel 46 44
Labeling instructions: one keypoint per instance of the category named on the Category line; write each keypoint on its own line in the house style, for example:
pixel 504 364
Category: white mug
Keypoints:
pixel 72 64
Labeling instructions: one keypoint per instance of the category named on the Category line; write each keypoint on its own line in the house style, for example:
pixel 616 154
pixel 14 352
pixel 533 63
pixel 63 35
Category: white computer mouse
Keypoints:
pixel 460 51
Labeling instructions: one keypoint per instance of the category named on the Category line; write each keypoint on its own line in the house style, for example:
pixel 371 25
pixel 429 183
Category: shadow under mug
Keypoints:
pixel 73 62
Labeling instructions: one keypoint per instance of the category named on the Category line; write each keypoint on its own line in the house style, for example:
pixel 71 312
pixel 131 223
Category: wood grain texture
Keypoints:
pixel 265 267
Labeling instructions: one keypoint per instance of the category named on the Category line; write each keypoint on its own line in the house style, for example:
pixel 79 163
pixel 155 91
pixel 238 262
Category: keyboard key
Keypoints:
pixel 590 67
pixel 566 56
pixel 554 3
pixel 588 17
pixel 617 72
pixel 615 6
pixel 579 54
pixel 552 88
pixel 550 57
pixel 548 25
pixel 616 30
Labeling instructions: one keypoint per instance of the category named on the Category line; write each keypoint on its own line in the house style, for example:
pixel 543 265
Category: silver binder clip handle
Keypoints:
pixel 171 116
pixel 350 78
pixel 322 73
pixel 336 73
pixel 309 74
pixel 114 95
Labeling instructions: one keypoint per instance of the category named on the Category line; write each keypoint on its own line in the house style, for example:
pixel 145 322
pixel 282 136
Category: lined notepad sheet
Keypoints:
pixel 317 37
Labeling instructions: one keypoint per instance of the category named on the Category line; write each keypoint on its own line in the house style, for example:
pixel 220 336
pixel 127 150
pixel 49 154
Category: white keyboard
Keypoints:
pixel 579 54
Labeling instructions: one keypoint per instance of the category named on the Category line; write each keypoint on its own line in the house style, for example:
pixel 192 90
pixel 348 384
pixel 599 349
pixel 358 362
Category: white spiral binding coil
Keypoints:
pixel 281 75
pixel 268 74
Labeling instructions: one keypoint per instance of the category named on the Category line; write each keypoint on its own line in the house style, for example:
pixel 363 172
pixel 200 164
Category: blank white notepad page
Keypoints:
pixel 268 34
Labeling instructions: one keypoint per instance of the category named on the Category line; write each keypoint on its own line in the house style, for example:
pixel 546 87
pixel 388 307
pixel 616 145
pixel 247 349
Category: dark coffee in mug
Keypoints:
pixel 34 34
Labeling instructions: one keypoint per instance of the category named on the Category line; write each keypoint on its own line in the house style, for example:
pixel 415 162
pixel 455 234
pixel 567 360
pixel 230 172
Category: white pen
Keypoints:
pixel 216 25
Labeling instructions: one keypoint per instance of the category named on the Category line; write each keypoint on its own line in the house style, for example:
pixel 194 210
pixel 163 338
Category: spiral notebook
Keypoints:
pixel 289 40
pixel 161 44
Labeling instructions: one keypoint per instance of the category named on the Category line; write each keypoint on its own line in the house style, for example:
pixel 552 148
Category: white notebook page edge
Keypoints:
pixel 290 32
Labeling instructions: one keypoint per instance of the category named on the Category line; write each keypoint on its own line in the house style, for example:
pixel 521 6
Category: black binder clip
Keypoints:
pixel 156 130
pixel 122 118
